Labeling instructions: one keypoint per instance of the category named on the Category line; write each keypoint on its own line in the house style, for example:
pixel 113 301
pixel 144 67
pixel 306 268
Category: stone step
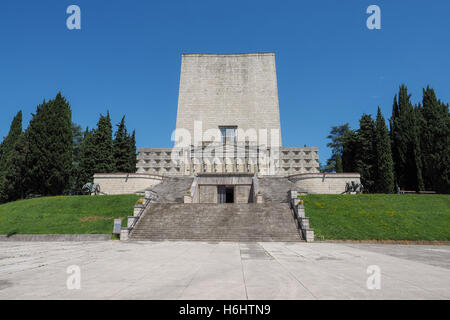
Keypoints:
pixel 217 222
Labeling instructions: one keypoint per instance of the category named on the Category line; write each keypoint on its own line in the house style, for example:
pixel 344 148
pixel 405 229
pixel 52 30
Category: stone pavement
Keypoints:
pixel 226 270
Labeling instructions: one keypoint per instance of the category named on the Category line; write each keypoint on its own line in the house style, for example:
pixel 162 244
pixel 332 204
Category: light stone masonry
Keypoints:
pixel 229 90
pixel 125 183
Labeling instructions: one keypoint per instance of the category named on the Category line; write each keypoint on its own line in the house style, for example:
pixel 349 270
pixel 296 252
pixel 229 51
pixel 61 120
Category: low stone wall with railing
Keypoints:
pixel 325 183
pixel 126 183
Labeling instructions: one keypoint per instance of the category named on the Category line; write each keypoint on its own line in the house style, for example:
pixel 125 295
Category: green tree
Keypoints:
pixel 405 142
pixel 50 146
pixel 349 151
pixel 87 166
pixel 435 142
pixel 337 134
pixel 7 145
pixel 78 137
pixel 121 148
pixel 339 168
pixel 15 180
pixel 365 160
pixel 132 153
pixel 103 142
pixel 384 175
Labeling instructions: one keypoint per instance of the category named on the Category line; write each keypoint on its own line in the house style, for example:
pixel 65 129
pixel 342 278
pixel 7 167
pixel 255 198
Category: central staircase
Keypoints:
pixel 167 217
pixel 217 222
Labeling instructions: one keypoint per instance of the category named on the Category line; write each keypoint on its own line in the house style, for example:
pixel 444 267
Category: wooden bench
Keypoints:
pixel 420 192
pixel 406 191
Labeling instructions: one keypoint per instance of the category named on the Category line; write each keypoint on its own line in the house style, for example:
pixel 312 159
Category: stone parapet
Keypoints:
pixel 125 183
pixel 124 234
pixel 324 183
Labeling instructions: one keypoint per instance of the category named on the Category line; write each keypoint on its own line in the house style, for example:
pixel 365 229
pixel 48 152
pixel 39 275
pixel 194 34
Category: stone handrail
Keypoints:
pixel 139 210
pixel 300 217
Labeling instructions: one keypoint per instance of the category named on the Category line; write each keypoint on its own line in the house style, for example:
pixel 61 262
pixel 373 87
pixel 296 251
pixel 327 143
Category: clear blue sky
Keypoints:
pixel 127 56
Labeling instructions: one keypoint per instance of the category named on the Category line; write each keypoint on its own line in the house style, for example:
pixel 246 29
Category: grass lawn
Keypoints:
pixel 66 214
pixel 379 217
pixel 333 217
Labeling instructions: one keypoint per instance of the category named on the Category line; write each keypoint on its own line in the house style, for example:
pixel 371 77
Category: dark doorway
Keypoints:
pixel 229 194
pixel 225 194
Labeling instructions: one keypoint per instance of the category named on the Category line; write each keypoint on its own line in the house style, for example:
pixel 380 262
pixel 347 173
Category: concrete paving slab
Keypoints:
pixel 218 292
pixel 226 270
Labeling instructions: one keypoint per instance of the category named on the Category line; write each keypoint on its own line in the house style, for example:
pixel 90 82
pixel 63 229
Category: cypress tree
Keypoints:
pixel 394 137
pixel 384 163
pixel 50 144
pixel 336 136
pixel 15 180
pixel 132 153
pixel 365 152
pixel 7 149
pixel 339 168
pixel 435 142
pixel 121 148
pixel 103 142
pixel 15 130
pixel 7 146
pixel 78 136
pixel 349 151
pixel 87 166
pixel 405 142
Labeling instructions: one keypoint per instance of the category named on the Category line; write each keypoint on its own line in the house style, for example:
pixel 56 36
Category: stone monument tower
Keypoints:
pixel 227 138
pixel 227 92
pixel 228 122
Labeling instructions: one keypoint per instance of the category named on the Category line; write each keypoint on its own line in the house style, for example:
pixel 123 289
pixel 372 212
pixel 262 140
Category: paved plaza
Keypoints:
pixel 226 270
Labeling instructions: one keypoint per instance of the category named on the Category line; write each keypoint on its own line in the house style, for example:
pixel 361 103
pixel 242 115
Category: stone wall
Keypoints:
pixel 242 194
pixel 157 161
pixel 325 183
pixel 207 187
pixel 296 160
pixel 125 183
pixel 207 194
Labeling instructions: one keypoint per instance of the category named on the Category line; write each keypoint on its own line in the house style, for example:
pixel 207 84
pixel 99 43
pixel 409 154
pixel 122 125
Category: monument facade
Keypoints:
pixel 227 129
pixel 228 121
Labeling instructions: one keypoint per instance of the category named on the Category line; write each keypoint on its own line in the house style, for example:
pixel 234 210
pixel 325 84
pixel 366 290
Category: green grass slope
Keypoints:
pixel 65 215
pixel 379 217
pixel 333 217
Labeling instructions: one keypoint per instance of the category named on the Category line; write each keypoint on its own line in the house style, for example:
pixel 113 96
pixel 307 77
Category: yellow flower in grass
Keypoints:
pixel 318 204
pixel 391 213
